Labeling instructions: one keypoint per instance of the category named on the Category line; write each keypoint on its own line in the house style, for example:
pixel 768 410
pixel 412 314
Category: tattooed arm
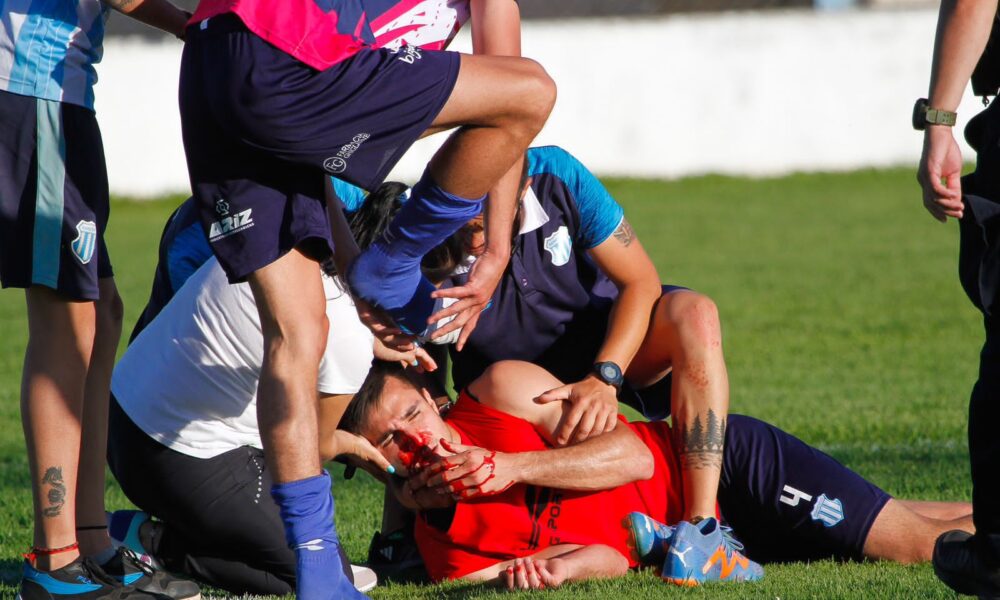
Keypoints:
pixel 155 13
pixel 595 403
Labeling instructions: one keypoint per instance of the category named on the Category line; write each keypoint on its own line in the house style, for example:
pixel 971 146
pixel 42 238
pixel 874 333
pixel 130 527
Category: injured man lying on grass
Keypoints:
pixel 498 502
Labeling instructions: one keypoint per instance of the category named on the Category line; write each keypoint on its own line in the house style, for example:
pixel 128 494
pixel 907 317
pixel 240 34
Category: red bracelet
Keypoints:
pixel 36 552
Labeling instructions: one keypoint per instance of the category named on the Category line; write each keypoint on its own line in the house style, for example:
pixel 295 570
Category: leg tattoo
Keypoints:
pixel 701 448
pixel 56 494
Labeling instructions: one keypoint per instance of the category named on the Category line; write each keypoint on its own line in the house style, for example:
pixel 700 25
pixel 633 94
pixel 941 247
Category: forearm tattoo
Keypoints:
pixel 56 494
pixel 624 233
pixel 700 446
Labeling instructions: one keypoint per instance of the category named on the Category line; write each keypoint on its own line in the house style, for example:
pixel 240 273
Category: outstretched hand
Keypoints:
pixel 941 160
pixel 473 297
pixel 593 410
pixel 383 327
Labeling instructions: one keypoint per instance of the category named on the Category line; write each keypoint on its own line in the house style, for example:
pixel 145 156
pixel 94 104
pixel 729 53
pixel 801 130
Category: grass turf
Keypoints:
pixel 844 324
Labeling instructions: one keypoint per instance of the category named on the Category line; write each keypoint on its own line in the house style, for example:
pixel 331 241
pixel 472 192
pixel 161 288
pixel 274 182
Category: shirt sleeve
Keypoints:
pixel 600 214
pixel 351 195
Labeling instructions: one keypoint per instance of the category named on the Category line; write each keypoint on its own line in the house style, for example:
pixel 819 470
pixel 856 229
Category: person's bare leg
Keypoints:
pixel 60 342
pixel 292 306
pixel 685 334
pixel 500 104
pixel 902 535
pixel 93 449
pixel 945 511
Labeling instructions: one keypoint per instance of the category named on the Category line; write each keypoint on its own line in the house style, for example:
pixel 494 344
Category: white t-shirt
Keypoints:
pixel 189 380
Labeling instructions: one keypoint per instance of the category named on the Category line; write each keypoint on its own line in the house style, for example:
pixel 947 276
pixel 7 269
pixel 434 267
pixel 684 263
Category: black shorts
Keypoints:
pixel 262 129
pixel 53 197
pixel 787 501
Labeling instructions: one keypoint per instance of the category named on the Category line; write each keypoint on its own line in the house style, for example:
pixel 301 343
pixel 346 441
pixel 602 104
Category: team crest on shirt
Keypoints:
pixel 86 241
pixel 560 246
pixel 829 511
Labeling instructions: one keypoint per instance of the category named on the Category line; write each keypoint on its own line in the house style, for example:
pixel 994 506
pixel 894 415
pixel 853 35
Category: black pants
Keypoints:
pixel 979 272
pixel 219 524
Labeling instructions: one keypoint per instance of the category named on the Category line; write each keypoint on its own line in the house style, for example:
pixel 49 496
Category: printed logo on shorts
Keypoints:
pixel 86 241
pixel 408 54
pixel 229 224
pixel 337 163
pixel 829 511
pixel 560 246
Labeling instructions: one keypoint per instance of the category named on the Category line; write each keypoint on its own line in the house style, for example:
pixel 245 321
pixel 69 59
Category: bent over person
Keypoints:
pixel 273 98
pixel 499 501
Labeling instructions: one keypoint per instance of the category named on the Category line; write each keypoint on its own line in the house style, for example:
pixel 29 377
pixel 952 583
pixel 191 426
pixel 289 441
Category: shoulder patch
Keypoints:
pixel 86 241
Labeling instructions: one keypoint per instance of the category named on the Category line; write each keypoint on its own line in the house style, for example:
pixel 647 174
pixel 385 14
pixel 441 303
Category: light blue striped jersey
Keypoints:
pixel 48 48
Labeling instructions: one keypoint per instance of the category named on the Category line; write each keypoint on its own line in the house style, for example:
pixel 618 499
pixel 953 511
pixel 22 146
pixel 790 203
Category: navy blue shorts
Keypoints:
pixel 261 129
pixel 787 501
pixel 53 197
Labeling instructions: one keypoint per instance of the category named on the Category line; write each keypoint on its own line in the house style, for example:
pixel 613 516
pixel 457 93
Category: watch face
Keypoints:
pixel 609 372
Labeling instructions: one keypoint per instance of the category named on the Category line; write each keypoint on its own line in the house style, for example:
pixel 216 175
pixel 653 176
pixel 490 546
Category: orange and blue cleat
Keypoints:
pixel 706 552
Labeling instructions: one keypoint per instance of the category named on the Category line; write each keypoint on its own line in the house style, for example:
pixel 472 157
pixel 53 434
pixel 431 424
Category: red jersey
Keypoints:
pixel 525 518
pixel 321 33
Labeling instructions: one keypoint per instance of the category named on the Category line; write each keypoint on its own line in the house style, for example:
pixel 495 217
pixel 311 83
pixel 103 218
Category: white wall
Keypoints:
pixel 740 93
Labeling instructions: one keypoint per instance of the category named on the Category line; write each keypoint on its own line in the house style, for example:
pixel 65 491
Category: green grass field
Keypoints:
pixel 844 324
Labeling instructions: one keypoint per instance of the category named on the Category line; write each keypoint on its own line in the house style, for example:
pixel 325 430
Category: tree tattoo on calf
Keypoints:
pixel 701 447
pixel 57 492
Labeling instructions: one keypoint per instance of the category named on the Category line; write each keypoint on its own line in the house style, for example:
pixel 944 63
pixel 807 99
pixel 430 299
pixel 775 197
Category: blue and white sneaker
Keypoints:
pixel 707 552
pixel 81 579
pixel 648 539
pixel 123 528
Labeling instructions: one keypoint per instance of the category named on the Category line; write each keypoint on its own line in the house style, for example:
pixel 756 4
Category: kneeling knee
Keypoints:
pixel 697 317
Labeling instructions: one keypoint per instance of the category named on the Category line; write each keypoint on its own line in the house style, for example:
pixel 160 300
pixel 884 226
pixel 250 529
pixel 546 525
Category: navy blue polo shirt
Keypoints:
pixel 552 305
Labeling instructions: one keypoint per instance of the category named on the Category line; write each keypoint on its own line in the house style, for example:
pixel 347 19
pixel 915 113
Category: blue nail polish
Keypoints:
pixel 391 470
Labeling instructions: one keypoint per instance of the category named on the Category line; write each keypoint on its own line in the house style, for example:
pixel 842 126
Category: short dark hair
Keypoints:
pixel 369 397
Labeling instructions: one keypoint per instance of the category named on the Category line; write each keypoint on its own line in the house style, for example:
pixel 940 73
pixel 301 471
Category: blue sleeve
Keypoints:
pixel 600 215
pixel 187 252
pixel 352 196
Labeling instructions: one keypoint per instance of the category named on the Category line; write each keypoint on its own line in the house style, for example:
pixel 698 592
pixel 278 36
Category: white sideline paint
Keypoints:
pixel 756 93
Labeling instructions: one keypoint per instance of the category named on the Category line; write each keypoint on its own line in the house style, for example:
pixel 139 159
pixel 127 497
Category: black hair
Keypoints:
pixel 374 216
pixel 369 397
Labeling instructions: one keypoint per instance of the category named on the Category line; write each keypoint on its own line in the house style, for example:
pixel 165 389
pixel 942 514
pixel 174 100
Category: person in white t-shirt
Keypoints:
pixel 184 440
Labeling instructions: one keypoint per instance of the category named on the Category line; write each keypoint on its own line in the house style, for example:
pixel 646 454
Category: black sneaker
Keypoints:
pixel 394 556
pixel 964 566
pixel 81 579
pixel 126 567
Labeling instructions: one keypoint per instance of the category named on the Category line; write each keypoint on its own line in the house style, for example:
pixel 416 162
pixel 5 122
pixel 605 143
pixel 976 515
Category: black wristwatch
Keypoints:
pixel 609 373
pixel 924 115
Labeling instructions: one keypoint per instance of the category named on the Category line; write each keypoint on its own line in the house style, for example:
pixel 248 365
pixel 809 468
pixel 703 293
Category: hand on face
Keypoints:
pixel 465 472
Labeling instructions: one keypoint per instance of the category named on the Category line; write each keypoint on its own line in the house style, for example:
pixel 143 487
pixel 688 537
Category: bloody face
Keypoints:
pixel 406 427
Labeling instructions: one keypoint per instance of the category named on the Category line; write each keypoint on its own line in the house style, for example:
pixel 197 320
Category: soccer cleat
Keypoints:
pixel 126 568
pixel 123 528
pixel 81 579
pixel 966 567
pixel 648 539
pixel 395 556
pixel 706 552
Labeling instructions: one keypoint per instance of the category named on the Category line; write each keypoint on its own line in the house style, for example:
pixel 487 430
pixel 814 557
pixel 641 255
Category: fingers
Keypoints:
pixel 451 309
pixel 460 292
pixel 559 393
pixel 467 330
pixel 459 321
pixel 424 360
pixel 568 424
pixel 611 422
pixel 586 424
pixel 547 578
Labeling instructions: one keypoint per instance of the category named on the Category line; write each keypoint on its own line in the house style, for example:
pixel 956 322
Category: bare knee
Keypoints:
pixel 507 384
pixel 695 317
pixel 901 535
